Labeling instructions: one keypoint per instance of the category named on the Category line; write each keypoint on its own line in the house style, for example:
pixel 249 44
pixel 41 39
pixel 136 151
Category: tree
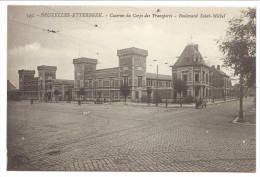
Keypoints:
pixel 180 86
pixel 239 48
pixel 125 91
pixel 81 92
pixel 56 93
pixel 149 92
pixel 69 95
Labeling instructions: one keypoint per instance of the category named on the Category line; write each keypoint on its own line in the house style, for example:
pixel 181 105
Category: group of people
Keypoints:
pixel 200 103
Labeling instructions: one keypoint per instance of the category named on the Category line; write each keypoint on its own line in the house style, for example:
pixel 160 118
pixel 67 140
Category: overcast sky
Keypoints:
pixel 30 44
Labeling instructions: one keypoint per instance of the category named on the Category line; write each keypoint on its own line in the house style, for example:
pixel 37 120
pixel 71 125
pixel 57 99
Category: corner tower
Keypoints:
pixel 25 78
pixel 81 67
pixel 132 67
pixel 46 76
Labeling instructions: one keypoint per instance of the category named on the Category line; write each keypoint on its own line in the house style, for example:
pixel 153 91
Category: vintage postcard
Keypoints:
pixel 131 88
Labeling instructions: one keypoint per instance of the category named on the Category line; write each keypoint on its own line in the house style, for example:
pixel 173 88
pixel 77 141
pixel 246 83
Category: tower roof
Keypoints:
pixel 45 67
pixel 24 71
pixel 84 60
pixel 190 56
pixel 132 50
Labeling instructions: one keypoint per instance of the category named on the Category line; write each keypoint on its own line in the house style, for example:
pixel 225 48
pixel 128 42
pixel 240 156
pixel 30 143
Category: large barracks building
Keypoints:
pixel 105 83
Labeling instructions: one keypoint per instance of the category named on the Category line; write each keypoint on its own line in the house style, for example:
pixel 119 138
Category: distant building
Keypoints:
pixel 12 91
pixel 28 84
pixel 164 85
pixel 105 83
pixel 221 84
pixel 46 83
pixel 191 68
pixel 101 83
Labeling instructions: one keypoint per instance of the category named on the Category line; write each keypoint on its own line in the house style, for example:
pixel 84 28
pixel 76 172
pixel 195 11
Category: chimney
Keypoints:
pixel 196 46
pixel 218 67
pixel 213 66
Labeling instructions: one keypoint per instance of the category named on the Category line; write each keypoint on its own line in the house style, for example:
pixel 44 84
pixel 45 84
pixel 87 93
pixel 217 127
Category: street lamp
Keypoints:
pixel 156 86
pixel 166 91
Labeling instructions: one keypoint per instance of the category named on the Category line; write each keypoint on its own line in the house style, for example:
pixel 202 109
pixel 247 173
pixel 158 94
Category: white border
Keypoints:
pixel 3 78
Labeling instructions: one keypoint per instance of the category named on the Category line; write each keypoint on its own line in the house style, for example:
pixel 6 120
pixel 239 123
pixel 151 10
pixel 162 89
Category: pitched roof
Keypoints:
pixel 10 86
pixel 160 76
pixel 190 56
pixel 218 72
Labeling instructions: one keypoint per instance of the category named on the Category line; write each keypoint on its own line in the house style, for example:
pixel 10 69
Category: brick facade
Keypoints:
pixel 105 83
pixel 221 84
pixel 46 83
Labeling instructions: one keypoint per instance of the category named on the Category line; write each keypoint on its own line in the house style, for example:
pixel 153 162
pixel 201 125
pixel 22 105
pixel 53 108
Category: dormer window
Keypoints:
pixel 196 57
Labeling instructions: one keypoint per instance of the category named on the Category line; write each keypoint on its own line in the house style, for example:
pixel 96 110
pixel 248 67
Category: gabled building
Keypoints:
pixel 192 68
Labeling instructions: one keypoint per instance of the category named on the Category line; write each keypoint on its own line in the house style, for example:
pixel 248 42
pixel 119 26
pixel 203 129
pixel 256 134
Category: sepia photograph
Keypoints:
pixel 131 88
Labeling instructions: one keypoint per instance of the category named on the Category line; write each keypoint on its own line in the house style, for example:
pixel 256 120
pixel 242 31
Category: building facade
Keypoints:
pixel 45 84
pixel 221 84
pixel 28 84
pixel 105 83
pixel 191 68
pixel 47 75
pixel 164 88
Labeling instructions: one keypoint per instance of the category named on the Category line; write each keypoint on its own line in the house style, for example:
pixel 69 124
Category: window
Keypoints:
pixel 168 84
pixel 100 83
pixel 184 77
pixel 81 84
pixel 112 81
pixel 125 80
pixel 149 83
pixel 140 80
pixel 203 76
pixel 207 78
pixel 139 68
pixel 90 82
pixel 197 77
pixel 174 76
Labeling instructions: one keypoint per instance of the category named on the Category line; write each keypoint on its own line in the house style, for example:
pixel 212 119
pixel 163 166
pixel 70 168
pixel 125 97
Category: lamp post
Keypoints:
pixel 241 117
pixel 166 92
pixel 156 103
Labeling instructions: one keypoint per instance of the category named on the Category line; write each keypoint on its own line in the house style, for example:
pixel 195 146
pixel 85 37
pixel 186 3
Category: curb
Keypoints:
pixel 241 123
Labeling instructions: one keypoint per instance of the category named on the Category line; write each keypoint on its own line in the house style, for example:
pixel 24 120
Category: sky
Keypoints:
pixel 30 43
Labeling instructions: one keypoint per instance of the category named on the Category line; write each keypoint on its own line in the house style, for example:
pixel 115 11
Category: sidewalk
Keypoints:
pixel 249 118
pixel 220 101
pixel 174 105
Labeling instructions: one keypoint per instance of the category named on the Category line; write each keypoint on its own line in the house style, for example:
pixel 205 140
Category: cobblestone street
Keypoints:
pixel 118 137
